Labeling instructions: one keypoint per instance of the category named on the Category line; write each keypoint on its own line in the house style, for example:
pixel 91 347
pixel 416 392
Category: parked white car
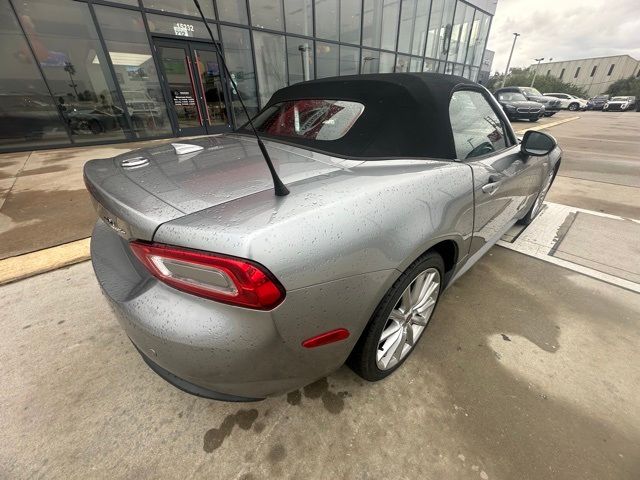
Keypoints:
pixel 569 102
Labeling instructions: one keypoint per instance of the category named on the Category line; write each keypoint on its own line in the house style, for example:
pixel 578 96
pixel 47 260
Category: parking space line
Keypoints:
pixel 548 125
pixel 20 267
pixel 543 237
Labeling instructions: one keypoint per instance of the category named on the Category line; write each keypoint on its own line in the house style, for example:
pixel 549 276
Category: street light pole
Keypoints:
pixel 535 72
pixel 506 72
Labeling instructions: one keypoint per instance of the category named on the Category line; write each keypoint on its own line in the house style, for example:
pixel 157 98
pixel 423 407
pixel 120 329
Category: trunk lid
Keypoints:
pixel 136 192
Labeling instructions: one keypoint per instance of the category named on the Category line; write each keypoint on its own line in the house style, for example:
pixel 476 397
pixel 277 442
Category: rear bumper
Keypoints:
pixel 225 352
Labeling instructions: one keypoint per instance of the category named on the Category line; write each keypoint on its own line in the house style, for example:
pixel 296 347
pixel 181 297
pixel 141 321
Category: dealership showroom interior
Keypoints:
pixel 326 239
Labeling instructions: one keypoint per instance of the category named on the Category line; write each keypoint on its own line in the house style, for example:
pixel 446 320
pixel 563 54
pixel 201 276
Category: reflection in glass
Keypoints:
pixel 28 115
pixel 478 38
pixel 126 40
pixel 177 69
pixel 407 17
pixel 326 60
pixel 380 23
pixel 237 52
pixel 186 8
pixel 416 64
pixel 210 81
pixel 270 63
pixel 350 11
pixel 349 60
pixel 420 27
pixel 298 16
pixel 327 19
pixel 75 67
pixel 233 11
pixel 387 62
pixel 439 34
pixel 266 14
pixel 370 61
pixel 460 33
pixel 430 65
pixel 402 63
pixel 300 57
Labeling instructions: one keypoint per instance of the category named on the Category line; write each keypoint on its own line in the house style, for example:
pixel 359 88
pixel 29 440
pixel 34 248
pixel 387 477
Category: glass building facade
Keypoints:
pixel 79 72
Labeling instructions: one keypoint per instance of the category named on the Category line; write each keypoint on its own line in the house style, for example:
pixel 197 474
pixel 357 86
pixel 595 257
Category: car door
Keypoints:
pixel 505 181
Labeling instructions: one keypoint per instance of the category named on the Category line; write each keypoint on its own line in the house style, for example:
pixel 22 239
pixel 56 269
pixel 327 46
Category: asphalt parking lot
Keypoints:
pixel 529 369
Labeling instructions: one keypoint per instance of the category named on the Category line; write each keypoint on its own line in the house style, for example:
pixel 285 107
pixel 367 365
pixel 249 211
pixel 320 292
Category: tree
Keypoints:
pixel 625 87
pixel 545 83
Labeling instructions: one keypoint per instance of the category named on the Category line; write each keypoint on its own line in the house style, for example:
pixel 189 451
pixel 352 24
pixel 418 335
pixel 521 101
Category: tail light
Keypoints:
pixel 217 277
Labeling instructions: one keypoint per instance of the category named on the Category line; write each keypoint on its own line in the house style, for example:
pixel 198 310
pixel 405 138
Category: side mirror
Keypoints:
pixel 537 144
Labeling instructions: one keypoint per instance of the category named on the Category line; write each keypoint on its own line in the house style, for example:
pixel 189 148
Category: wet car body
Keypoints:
pixel 364 207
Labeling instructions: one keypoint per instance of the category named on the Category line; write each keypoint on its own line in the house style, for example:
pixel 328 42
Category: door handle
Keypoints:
pixel 492 186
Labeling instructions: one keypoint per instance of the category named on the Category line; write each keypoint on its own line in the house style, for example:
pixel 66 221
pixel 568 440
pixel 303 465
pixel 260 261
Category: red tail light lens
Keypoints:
pixel 225 279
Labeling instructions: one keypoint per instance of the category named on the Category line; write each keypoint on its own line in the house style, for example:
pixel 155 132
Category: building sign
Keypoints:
pixel 183 98
pixel 183 29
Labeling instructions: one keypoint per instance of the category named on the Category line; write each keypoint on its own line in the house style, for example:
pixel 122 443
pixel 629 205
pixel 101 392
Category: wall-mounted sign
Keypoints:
pixel 183 29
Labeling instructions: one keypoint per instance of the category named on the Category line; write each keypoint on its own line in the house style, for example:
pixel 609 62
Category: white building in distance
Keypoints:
pixel 595 75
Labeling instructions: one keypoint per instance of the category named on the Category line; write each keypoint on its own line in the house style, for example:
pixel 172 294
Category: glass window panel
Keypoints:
pixel 402 63
pixel 180 27
pixel 28 114
pixel 233 11
pixel 67 47
pixel 430 65
pixel 420 27
pixel 185 8
pixel 460 32
pixel 133 3
pixel 380 23
pixel 372 23
pixel 128 46
pixel 237 53
pixel 270 64
pixel 478 38
pixel 416 64
pixel 407 17
pixel 350 11
pixel 439 34
pixel 473 73
pixel 387 62
pixel 326 60
pixel 370 62
pixel 300 58
pixel 349 60
pixel 327 19
pixel 267 14
pixel 476 128
pixel 298 16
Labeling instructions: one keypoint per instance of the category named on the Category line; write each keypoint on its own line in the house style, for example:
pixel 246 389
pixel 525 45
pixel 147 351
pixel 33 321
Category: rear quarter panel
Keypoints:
pixel 378 216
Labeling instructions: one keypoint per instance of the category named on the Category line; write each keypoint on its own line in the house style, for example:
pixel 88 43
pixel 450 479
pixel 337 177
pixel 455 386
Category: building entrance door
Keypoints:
pixel 195 86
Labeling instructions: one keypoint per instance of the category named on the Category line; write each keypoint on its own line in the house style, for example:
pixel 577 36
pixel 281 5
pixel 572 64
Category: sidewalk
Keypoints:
pixel 43 201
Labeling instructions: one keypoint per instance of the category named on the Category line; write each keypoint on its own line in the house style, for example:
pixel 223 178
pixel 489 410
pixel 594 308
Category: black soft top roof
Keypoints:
pixel 405 114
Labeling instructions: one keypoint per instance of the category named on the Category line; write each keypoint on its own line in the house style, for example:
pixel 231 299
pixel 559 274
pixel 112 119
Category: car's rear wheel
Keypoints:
pixel 400 320
pixel 573 107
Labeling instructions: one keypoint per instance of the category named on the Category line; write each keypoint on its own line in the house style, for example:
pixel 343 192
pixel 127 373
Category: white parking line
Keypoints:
pixel 542 238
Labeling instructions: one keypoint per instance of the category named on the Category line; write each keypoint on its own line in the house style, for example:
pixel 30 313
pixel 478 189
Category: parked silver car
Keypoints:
pixel 398 184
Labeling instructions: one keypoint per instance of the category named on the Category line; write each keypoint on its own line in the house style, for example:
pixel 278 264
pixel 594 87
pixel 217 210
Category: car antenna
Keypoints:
pixel 280 188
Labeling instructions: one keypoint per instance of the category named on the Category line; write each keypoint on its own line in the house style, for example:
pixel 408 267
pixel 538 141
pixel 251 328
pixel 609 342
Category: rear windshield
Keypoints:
pixel 310 119
pixel 619 99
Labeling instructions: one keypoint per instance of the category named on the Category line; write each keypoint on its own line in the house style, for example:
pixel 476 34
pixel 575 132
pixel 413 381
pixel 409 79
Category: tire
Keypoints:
pixel 535 119
pixel 536 208
pixel 371 352
pixel 573 107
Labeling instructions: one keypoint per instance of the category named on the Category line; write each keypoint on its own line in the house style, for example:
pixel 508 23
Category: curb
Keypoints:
pixel 20 267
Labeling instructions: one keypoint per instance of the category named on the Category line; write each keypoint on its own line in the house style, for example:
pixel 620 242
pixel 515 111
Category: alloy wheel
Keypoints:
pixel 408 319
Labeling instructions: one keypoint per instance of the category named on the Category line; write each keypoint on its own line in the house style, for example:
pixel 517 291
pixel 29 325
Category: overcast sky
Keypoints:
pixel 564 30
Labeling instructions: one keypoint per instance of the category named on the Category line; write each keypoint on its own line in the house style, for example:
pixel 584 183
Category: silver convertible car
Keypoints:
pixel 398 184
